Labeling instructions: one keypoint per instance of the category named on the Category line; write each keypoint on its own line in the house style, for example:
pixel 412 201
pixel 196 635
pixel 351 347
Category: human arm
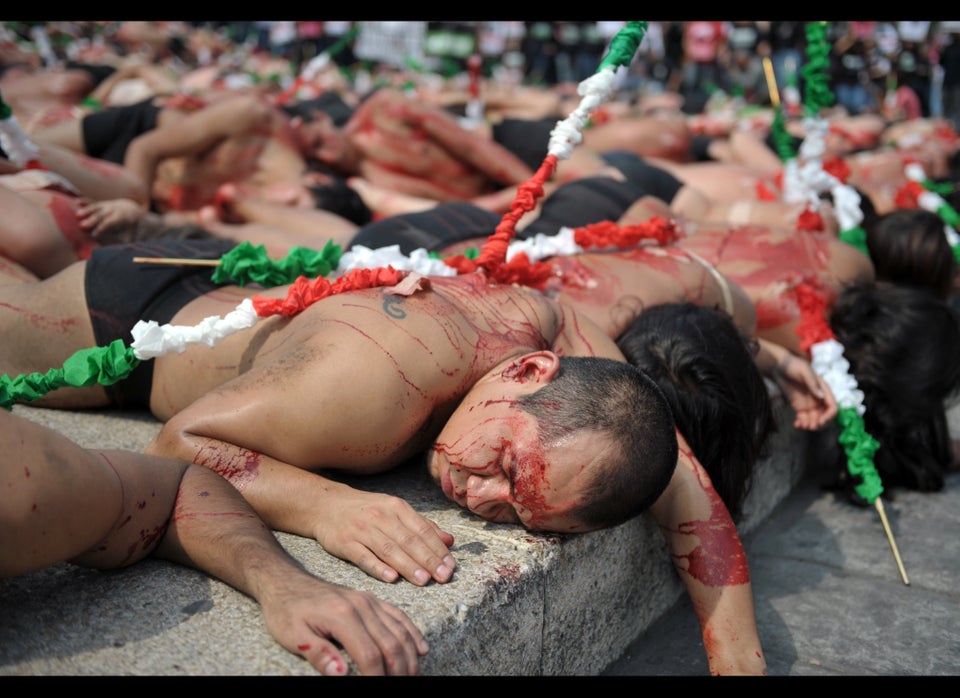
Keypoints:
pixel 709 557
pixel 750 148
pixel 92 177
pixel 213 529
pixel 809 395
pixel 111 508
pixel 481 152
pixel 195 134
pixel 155 77
pixel 261 433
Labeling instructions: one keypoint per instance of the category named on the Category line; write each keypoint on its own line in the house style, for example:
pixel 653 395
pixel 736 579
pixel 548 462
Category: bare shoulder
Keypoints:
pixel 850 264
pixel 579 335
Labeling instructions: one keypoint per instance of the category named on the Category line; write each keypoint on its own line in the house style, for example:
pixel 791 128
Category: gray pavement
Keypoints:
pixel 828 594
pixel 829 597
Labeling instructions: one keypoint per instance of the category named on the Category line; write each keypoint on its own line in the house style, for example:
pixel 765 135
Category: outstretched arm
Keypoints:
pixel 269 448
pixel 709 557
pixel 108 509
pixel 215 530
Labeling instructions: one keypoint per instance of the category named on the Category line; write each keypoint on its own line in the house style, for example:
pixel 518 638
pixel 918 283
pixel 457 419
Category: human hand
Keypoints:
pixel 100 217
pixel 310 617
pixel 813 402
pixel 385 537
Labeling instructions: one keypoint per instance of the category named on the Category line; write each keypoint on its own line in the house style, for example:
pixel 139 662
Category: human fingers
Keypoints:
pixel 93 220
pixel 325 658
pixel 386 538
pixel 829 408
pixel 398 643
pixel 324 622
pixel 407 546
pixel 380 638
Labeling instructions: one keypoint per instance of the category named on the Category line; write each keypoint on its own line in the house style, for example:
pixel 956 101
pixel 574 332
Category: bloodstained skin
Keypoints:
pixel 719 559
pixel 766 282
pixel 529 474
pixel 64 212
pixel 240 469
pixel 62 325
pixel 8 269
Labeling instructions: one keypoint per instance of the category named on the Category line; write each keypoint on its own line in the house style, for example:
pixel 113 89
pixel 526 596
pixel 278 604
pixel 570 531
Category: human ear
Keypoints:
pixel 538 366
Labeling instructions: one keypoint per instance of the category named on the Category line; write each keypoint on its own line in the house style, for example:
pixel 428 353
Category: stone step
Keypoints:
pixel 521 603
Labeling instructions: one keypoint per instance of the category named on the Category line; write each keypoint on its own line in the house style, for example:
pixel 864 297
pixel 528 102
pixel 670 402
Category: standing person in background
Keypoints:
pixel 704 63
pixel 540 51
pixel 913 68
pixel 749 45
pixel 787 44
pixel 853 59
pixel 950 62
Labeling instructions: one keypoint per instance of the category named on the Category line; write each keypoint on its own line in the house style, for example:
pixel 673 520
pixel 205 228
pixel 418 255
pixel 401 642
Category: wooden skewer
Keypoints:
pixel 893 544
pixel 178 260
pixel 771 82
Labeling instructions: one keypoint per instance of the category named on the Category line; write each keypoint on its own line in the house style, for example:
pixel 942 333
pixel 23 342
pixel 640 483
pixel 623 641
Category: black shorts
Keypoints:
pixel 120 292
pixel 432 230
pixel 528 139
pixel 107 134
pixel 700 147
pixel 97 73
pixel 581 202
pixel 653 180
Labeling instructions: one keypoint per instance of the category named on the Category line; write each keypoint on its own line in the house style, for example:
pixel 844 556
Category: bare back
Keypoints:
pixel 767 263
pixel 612 288
pixel 416 356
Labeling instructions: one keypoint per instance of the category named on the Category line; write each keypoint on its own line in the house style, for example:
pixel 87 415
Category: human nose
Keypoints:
pixel 490 497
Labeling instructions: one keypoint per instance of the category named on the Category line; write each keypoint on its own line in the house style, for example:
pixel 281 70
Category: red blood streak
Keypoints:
pixel 12 271
pixel 62 325
pixel 64 211
pixel 240 467
pixel 148 539
pixel 719 559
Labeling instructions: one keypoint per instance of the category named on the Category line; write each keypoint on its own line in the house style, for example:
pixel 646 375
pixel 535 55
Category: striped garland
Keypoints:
pixel 110 364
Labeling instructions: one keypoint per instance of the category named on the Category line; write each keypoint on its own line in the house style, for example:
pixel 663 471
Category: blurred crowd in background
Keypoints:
pixel 909 66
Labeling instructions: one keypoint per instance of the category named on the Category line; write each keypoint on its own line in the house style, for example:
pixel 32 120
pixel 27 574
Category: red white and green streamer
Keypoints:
pixel 114 362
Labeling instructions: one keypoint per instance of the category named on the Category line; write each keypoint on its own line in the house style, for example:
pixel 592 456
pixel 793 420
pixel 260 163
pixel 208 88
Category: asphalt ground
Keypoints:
pixel 829 596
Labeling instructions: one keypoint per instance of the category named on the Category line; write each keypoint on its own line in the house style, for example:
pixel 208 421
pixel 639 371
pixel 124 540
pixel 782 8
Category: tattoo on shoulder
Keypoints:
pixel 392 306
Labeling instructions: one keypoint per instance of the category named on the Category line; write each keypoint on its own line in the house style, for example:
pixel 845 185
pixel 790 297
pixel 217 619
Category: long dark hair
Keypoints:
pixel 903 346
pixel 706 367
pixel 908 246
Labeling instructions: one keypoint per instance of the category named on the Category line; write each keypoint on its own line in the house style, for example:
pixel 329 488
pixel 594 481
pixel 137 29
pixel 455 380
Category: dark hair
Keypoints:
pixel 705 365
pixel 610 397
pixel 340 198
pixel 867 207
pixel 329 102
pixel 903 346
pixel 908 246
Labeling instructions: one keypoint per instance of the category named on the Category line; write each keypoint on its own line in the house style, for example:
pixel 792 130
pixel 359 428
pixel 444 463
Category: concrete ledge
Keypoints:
pixel 520 604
